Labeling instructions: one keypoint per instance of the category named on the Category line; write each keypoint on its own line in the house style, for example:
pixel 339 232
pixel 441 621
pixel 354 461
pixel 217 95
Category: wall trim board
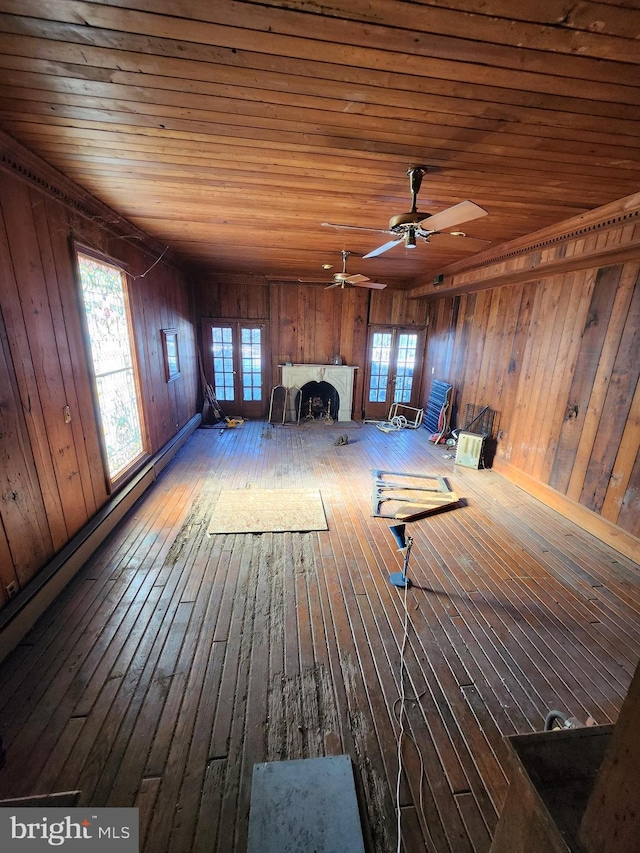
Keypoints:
pixel 31 168
pixel 618 539
pixel 571 245
pixel 22 612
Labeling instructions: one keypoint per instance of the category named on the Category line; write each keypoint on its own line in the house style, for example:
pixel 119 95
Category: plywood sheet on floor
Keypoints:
pixel 267 511
pixel 307 804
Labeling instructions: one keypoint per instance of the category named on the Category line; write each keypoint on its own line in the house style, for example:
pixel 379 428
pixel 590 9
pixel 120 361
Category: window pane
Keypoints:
pixel 112 358
pixel 407 344
pixel 251 364
pixel 222 345
pixel 106 316
pixel 380 358
pixel 120 423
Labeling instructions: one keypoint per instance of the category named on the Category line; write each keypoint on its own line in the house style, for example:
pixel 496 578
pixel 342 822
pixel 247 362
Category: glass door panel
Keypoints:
pixel 392 361
pixel 405 364
pixel 379 374
pixel 234 365
pixel 223 372
pixel 251 364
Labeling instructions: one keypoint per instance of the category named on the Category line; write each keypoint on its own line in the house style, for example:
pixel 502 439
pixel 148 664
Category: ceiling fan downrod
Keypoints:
pixel 416 174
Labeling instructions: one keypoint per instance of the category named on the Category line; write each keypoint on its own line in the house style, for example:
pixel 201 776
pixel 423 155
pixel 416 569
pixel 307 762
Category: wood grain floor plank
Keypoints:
pixel 197 763
pixel 176 660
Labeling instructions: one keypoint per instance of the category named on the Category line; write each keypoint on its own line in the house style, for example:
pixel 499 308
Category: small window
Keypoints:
pixel 171 353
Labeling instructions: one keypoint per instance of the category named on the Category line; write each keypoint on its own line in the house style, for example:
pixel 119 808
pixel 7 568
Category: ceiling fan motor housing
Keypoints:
pixel 398 224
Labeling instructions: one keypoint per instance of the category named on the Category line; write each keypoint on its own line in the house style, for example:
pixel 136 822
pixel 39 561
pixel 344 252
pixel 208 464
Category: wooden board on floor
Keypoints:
pixel 414 510
pixel 267 510
pixel 409 496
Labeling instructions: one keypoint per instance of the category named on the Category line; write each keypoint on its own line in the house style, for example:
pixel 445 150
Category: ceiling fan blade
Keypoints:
pixel 354 227
pixel 458 243
pixel 384 248
pixel 335 284
pixel 312 280
pixel 374 285
pixel 357 279
pixel 465 211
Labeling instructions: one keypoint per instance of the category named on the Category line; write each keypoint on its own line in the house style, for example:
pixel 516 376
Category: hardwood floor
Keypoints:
pixel 176 660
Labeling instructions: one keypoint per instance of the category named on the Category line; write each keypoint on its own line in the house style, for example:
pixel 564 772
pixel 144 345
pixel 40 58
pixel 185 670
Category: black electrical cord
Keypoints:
pixel 553 717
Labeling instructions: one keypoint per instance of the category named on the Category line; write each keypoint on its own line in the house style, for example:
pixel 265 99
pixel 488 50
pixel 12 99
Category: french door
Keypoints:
pixel 234 365
pixel 392 376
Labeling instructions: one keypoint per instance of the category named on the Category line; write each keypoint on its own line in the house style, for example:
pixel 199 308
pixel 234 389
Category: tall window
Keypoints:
pixel 105 303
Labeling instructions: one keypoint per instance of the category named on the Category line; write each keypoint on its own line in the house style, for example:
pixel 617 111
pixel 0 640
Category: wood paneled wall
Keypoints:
pixel 52 478
pixel 309 324
pixel 558 359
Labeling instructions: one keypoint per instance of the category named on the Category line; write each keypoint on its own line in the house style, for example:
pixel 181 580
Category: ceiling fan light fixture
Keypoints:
pixel 410 240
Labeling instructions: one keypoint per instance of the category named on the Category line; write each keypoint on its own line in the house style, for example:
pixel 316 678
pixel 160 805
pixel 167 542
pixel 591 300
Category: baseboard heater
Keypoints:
pixel 22 612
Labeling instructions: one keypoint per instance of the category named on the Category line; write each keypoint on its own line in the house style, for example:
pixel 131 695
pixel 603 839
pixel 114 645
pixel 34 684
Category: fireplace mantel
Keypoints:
pixel 339 375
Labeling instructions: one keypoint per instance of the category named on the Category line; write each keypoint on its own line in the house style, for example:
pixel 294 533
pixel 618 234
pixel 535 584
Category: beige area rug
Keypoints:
pixel 267 511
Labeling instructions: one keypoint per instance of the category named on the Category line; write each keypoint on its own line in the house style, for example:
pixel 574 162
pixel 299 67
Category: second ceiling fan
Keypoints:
pixel 408 227
pixel 342 278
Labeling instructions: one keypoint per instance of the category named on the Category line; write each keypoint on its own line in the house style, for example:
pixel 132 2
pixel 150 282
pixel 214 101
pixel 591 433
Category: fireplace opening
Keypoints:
pixel 320 401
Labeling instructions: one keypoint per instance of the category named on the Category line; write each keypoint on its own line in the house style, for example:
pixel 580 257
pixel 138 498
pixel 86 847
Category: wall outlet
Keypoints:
pixel 11 589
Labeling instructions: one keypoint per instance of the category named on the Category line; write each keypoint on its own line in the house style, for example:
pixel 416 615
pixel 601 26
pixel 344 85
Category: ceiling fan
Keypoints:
pixel 343 277
pixel 407 227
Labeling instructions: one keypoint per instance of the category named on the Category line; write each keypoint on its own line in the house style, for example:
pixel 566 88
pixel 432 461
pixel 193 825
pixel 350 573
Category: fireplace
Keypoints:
pixel 320 401
pixel 339 376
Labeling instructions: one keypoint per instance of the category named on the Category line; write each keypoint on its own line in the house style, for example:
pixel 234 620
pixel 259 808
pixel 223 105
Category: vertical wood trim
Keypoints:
pixel 623 465
pixel 629 517
pixel 593 332
pixel 510 309
pixel 81 399
pixel 620 391
pixel 514 369
pixel 85 504
pixel 25 536
pixel 580 286
pixel 602 378
pixel 514 435
pixel 7 571
pixel 15 199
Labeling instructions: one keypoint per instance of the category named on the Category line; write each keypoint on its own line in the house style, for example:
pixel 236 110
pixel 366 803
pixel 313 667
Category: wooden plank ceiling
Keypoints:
pixel 230 131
